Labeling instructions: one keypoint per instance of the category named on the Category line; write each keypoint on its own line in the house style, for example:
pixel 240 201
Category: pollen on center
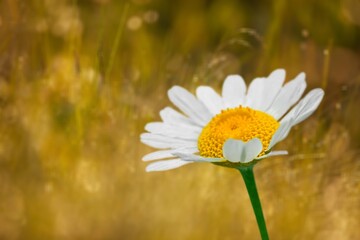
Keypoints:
pixel 241 123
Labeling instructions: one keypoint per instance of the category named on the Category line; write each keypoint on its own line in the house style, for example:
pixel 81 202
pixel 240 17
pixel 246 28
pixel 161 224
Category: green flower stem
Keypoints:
pixel 248 176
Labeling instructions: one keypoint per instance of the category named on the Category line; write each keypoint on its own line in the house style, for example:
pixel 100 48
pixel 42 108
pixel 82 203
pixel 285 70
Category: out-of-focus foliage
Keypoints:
pixel 80 78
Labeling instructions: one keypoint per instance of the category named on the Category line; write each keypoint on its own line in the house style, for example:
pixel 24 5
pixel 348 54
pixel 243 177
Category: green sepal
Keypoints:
pixel 237 165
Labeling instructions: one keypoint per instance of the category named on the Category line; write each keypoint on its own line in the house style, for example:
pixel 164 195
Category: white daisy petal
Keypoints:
pixel 168 153
pixel 210 99
pixel 274 153
pixel 263 91
pixel 277 153
pixel 166 165
pixel 288 96
pixel 173 117
pixel 239 151
pixel 182 132
pixel 255 94
pixel 187 149
pixel 158 155
pixel 160 141
pixel 281 133
pixel 233 91
pixel 272 87
pixel 305 107
pixel 196 158
pixel 190 105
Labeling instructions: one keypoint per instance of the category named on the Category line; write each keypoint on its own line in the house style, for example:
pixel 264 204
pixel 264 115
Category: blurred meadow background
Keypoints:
pixel 79 79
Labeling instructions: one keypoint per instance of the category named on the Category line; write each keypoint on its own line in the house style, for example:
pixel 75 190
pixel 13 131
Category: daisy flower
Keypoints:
pixel 237 128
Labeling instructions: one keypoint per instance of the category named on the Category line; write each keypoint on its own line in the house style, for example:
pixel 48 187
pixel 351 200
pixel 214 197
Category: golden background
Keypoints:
pixel 79 79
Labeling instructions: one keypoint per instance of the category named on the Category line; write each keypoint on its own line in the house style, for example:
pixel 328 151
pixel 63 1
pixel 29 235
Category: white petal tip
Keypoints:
pixel 165 165
pixel 273 153
pixel 301 75
pixel 280 72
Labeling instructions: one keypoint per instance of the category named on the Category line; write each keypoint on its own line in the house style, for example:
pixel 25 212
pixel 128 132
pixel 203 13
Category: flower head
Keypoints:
pixel 239 127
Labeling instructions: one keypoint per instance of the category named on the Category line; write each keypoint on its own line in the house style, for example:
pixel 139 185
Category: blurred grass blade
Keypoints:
pixel 117 40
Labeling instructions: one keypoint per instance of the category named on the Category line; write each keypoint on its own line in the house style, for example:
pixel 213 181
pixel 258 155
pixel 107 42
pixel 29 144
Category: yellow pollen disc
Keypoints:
pixel 241 123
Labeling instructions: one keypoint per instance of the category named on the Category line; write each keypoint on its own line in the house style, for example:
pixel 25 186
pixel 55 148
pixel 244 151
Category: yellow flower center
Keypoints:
pixel 241 123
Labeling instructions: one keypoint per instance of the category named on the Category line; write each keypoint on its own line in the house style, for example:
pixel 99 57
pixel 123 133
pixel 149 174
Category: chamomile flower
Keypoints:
pixel 239 127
